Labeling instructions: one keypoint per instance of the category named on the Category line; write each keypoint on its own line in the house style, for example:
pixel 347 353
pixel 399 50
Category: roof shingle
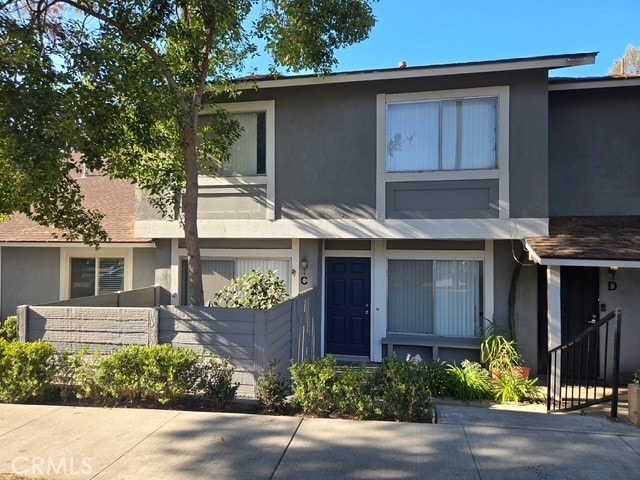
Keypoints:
pixel 116 199
pixel 590 238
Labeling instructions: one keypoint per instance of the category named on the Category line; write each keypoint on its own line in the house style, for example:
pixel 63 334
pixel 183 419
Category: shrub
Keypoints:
pixel 86 370
pixel 511 386
pixel 162 373
pixel 273 389
pixel 253 290
pixel 215 380
pixel 469 381
pixel 9 329
pixel 26 370
pixel 398 390
pixel 349 392
pixel 314 385
pixel 436 376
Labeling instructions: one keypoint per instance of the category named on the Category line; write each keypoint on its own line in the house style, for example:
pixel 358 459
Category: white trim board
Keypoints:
pixel 501 172
pixel 356 228
pixel 65 268
pixel 149 244
pixel 269 179
pixel 588 84
pixel 567 262
pixel 579 262
pixel 557 61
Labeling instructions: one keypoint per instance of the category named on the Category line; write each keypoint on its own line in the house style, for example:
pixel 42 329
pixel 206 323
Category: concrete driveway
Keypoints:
pixel 467 443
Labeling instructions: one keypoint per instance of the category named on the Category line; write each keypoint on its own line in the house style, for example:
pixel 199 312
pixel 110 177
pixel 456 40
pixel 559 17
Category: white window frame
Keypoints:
pixel 485 256
pixel 269 178
pixel 292 255
pixel 66 254
pixel 501 172
pixel 441 256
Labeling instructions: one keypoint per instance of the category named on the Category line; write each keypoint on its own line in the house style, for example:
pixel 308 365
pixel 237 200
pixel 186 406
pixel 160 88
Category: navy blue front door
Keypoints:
pixel 348 297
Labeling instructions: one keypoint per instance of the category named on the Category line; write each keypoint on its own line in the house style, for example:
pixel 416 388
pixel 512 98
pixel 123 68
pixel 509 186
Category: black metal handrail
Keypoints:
pixel 578 373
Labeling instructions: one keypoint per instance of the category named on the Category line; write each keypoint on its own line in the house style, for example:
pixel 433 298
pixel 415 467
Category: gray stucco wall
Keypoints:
pixel 503 265
pixel 326 142
pixel 593 152
pixel 144 260
pixel 447 199
pixel 526 307
pixel 162 263
pixel 526 317
pixel 311 250
pixel 625 297
pixel 29 276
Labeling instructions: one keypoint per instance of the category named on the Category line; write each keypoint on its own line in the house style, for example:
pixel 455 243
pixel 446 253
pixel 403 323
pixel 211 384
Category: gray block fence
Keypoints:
pixel 248 338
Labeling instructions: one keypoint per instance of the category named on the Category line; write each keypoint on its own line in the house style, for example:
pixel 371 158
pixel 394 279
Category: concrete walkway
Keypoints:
pixel 467 443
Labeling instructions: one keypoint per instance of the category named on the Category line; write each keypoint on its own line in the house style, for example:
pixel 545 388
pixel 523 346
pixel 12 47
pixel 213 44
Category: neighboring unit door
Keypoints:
pixel 348 296
pixel 580 305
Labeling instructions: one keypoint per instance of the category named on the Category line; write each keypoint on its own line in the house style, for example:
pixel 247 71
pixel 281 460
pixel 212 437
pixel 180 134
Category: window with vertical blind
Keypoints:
pixel 438 297
pixel 252 154
pixel 442 135
pixel 248 153
pixel 96 276
pixel 217 274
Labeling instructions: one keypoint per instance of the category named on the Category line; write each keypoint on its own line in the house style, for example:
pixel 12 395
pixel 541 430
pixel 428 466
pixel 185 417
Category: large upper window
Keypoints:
pixel 248 154
pixel 441 135
pixel 252 154
pixel 440 297
pixel 96 276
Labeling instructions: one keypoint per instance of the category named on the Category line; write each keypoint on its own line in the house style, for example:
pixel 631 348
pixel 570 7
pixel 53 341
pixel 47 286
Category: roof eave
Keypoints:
pixel 547 62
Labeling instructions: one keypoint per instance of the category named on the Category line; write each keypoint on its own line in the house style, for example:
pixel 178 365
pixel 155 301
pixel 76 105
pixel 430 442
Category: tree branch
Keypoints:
pixel 131 35
pixel 204 66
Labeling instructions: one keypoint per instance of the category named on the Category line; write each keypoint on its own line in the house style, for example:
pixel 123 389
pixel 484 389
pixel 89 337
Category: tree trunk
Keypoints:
pixel 190 211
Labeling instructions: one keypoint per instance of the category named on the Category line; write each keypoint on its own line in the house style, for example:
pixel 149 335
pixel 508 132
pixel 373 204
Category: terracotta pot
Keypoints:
pixel 520 371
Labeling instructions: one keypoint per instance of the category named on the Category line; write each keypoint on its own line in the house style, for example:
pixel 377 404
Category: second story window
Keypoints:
pixel 441 135
pixel 248 154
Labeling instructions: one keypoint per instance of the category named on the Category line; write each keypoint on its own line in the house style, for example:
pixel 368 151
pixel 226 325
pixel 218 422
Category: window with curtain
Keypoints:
pixel 217 274
pixel 439 297
pixel 442 135
pixel 96 276
pixel 248 154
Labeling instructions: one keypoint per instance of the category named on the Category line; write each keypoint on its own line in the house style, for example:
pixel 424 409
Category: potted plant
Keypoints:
pixel 634 399
pixel 500 354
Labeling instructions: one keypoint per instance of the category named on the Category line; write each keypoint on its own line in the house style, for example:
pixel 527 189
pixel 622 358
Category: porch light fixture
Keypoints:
pixel 304 264
pixel 612 285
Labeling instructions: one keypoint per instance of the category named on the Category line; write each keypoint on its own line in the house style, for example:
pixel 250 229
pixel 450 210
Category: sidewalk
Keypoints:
pixel 467 443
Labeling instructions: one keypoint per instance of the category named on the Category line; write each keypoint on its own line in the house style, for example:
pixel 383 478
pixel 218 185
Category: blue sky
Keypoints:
pixel 427 32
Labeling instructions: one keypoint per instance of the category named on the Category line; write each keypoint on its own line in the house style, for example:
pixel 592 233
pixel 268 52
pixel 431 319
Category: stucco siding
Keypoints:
pixel 326 142
pixel 143 267
pixel 30 275
pixel 626 297
pixel 528 146
pixel 446 199
pixel 593 152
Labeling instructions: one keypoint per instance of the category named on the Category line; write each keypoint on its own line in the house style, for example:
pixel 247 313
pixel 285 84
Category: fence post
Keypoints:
pixel 154 325
pixel 259 345
pixel 23 320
